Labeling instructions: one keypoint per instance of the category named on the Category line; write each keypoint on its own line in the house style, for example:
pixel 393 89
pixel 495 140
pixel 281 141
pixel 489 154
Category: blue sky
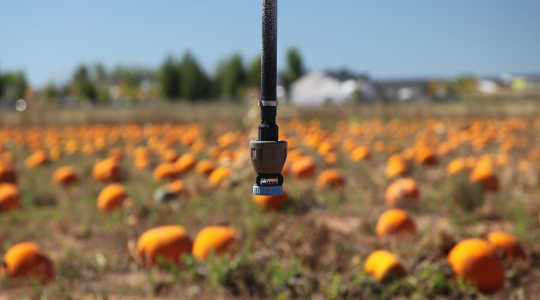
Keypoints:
pixel 385 38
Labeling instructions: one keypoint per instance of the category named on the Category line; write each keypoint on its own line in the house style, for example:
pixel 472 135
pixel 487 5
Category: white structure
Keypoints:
pixel 321 88
pixel 486 86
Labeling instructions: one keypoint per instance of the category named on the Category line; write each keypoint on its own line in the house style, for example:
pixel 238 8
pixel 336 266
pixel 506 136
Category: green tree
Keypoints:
pixel 169 78
pixel 100 73
pixel 254 72
pixel 14 85
pixel 295 68
pixel 231 77
pixel 194 82
pixel 1 86
pixel 82 85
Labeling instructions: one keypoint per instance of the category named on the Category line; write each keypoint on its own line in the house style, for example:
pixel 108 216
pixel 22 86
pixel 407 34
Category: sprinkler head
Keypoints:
pixel 268 158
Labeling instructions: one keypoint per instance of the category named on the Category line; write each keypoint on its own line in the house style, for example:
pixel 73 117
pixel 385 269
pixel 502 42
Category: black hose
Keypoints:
pixel 268 130
pixel 269 50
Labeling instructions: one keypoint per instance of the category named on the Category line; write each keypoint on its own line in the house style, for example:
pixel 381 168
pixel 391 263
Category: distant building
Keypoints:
pixel 331 88
pixel 486 86
pixel 402 90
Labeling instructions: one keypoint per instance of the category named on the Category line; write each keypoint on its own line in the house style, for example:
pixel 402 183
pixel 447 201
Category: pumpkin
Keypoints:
pixel 7 173
pixel 169 156
pixel 395 221
pixel 360 153
pixel 111 197
pixel 167 171
pixel 205 167
pixel 37 159
pixel 273 202
pixel 212 239
pixel 396 166
pixel 456 166
pixel 107 170
pixel 383 266
pixel 330 178
pixel 426 156
pixel 218 176
pixel 303 168
pixel 186 162
pixel 177 187
pixel 475 260
pixel 484 174
pixel 167 242
pixel 402 193
pixel 65 176
pixel 27 260
pixel 507 244
pixel 141 163
pixel 330 159
pixel 9 197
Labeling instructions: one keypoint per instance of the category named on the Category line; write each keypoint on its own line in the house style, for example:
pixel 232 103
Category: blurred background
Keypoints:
pixel 126 53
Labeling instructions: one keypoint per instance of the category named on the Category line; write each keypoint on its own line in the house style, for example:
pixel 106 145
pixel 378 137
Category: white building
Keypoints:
pixel 323 88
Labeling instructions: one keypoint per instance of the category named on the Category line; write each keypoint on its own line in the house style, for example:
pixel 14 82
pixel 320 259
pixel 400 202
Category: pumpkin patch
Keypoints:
pixel 374 207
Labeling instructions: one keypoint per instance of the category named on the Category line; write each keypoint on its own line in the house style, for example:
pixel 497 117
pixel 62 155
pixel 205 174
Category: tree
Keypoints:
pixel 254 72
pixel 231 77
pixel 194 82
pixel 169 78
pixel 1 86
pixel 100 73
pixel 14 85
pixel 82 85
pixel 295 68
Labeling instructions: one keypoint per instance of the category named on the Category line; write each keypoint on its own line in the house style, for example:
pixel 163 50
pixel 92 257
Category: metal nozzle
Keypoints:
pixel 268 158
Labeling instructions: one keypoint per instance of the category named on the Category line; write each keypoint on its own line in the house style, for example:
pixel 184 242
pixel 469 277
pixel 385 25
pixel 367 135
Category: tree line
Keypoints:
pixel 176 79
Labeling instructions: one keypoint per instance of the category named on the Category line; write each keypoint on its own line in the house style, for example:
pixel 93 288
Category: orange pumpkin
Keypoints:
pixel 27 260
pixel 426 156
pixel 167 242
pixel 456 166
pixel 402 193
pixel 186 162
pixel 360 153
pixel 273 202
pixel 37 159
pixel 395 221
pixel 9 197
pixel 213 238
pixel 506 243
pixel 330 159
pixel 111 197
pixel 218 176
pixel 141 163
pixel 331 178
pixel 167 171
pixel 396 166
pixel 484 174
pixel 65 176
pixel 383 266
pixel 107 170
pixel 177 187
pixel 169 156
pixel 475 260
pixel 303 167
pixel 205 167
